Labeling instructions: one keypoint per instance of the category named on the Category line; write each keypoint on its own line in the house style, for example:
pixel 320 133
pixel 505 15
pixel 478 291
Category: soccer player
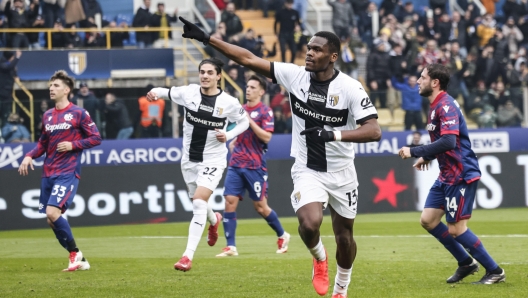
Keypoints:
pixel 453 193
pixel 207 110
pixel 326 106
pixel 66 131
pixel 247 169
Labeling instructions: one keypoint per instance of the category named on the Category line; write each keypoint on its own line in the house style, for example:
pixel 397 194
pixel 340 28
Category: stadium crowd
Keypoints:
pixel 485 53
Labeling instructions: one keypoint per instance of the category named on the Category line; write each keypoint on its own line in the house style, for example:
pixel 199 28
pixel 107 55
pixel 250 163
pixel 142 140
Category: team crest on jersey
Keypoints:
pixel 68 117
pixel 334 99
pixel 253 114
pixel 432 114
pixel 219 111
pixel 446 108
pixel 77 62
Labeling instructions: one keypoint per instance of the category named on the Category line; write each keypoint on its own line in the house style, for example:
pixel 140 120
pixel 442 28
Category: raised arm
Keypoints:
pixel 235 53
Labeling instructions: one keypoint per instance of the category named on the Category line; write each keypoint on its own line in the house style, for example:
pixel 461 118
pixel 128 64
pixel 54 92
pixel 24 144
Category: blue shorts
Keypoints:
pixel 456 200
pixel 57 191
pixel 254 180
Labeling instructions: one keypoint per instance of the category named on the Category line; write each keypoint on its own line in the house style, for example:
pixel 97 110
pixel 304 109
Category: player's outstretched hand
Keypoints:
pixel 23 168
pixel 151 96
pixel 220 136
pixel 319 134
pixel 192 31
pixel 422 164
pixel 405 152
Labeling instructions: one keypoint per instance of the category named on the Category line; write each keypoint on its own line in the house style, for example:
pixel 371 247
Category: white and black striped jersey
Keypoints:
pixel 337 104
pixel 203 114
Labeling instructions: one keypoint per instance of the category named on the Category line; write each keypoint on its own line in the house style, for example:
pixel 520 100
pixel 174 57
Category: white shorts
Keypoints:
pixel 201 174
pixel 339 189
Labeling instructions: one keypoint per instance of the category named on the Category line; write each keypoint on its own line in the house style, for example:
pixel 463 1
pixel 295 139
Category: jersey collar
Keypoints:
pixel 253 108
pixel 438 97
pixel 67 107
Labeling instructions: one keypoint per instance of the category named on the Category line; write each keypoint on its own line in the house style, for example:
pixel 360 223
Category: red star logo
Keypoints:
pixel 388 189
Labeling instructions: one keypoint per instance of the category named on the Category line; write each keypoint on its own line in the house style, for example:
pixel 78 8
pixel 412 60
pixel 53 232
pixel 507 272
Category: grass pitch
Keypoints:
pixel 396 258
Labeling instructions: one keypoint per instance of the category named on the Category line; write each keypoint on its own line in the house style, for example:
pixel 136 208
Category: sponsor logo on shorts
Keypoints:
pixel 297 197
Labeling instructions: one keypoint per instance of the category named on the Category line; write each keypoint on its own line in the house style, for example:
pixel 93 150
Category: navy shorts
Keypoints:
pixel 254 180
pixel 456 200
pixel 57 191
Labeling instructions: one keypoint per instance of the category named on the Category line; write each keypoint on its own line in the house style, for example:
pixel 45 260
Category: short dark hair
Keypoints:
pixel 334 44
pixel 217 63
pixel 260 80
pixel 64 77
pixel 439 72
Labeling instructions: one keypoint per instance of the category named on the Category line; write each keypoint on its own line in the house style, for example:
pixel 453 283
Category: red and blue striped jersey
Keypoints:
pixel 249 149
pixel 71 124
pixel 461 162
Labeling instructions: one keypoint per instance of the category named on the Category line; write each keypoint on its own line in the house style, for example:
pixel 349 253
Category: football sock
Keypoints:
pixel 211 216
pixel 196 227
pixel 318 251
pixel 64 234
pixel 342 280
pixel 441 233
pixel 274 223
pixel 230 225
pixel 472 243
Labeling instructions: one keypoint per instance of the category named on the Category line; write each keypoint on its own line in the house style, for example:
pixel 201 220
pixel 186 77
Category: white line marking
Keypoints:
pixel 332 236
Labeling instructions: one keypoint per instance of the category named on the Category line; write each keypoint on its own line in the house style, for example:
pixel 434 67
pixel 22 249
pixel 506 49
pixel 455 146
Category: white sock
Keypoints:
pixel 342 280
pixel 318 251
pixel 196 227
pixel 211 216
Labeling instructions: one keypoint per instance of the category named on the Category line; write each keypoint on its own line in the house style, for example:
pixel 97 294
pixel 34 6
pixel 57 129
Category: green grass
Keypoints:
pixel 396 258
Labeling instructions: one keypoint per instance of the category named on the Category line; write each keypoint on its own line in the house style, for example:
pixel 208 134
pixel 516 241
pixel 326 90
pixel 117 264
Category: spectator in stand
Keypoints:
pixel 162 19
pixel 301 6
pixel 250 43
pixel 499 96
pixel 513 36
pixel 486 66
pixel 509 115
pixel 232 21
pixel 220 4
pixel 347 61
pixel 486 29
pixel 429 30
pixel 281 100
pixel 142 19
pixel 281 122
pixel 480 108
pixel 444 28
pixel 92 11
pixel 117 119
pixel 406 11
pixel 8 63
pixel 33 38
pixel 52 10
pixel 19 18
pixel 429 55
pixel 117 38
pixel 74 40
pixel 59 39
pixel 388 7
pixel 490 6
pixel 343 18
pixel 94 39
pixel 518 79
pixel 459 32
pixel 501 54
pixel 411 101
pixel 287 18
pixel 43 107
pixel 438 4
pixel 523 26
pixel 378 76
pixel 234 74
pixel 14 131
pixel 365 23
pixel 151 113
pixel 87 100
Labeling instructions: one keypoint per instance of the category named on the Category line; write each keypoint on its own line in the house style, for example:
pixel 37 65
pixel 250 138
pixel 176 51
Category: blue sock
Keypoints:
pixel 63 230
pixel 441 233
pixel 274 223
pixel 472 243
pixel 230 225
pixel 62 241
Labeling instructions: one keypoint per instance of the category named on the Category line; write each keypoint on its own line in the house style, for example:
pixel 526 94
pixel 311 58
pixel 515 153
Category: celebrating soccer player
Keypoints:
pixel 453 193
pixel 326 106
pixel 207 109
pixel 247 169
pixel 66 131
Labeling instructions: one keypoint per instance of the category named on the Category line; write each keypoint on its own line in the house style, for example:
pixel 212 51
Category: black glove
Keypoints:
pixel 192 31
pixel 319 134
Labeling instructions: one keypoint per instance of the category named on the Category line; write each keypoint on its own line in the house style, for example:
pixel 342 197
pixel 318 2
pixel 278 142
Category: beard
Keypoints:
pixel 426 91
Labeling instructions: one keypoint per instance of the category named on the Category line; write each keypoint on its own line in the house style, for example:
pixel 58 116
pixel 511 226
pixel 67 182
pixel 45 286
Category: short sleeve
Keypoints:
pixel 285 73
pixel 177 94
pixel 236 112
pixel 268 122
pixel 360 105
pixel 449 120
